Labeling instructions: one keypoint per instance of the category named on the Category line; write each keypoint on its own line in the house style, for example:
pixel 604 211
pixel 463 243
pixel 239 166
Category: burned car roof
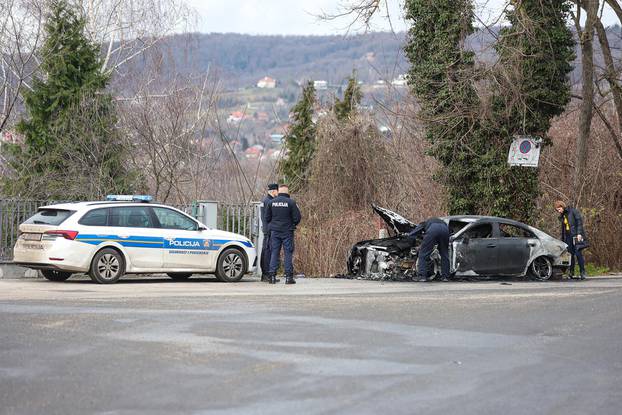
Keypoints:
pixel 475 218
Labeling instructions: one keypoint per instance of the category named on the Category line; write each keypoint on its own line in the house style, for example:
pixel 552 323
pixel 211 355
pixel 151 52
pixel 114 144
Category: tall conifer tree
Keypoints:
pixel 71 119
pixel 470 137
pixel 351 98
pixel 300 141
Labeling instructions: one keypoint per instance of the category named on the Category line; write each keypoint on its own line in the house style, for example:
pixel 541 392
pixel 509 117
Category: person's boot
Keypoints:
pixel 265 277
pixel 289 279
pixel 272 279
pixel 583 275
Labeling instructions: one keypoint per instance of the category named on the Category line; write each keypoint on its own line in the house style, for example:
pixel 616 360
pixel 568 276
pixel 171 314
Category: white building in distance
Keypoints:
pixel 266 82
pixel 320 85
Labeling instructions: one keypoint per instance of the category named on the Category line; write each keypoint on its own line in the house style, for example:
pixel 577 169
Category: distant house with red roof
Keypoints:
pixel 235 117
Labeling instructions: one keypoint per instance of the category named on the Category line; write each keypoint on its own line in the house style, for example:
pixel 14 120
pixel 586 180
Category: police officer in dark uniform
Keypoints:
pixel 273 190
pixel 283 216
pixel 435 233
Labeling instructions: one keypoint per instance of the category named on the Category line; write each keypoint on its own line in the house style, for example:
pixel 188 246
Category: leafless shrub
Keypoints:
pixel 356 166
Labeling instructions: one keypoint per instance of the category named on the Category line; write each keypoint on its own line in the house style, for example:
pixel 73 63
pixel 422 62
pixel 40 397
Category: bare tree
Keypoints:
pixel 20 36
pixel 168 130
pixel 125 29
pixel 359 12
pixel 586 37
pixel 611 75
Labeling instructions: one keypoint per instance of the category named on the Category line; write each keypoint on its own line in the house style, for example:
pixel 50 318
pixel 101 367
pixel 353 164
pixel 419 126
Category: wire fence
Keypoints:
pixel 238 218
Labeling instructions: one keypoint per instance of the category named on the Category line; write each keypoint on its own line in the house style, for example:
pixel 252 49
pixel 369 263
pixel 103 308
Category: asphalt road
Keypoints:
pixel 154 346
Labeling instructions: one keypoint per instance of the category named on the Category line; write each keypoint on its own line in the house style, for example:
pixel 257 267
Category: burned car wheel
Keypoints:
pixel 355 264
pixel 541 269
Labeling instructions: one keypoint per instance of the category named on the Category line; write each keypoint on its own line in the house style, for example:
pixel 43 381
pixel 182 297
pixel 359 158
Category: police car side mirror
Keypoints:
pixel 201 228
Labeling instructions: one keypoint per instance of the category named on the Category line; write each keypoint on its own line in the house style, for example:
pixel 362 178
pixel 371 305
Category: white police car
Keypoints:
pixel 125 235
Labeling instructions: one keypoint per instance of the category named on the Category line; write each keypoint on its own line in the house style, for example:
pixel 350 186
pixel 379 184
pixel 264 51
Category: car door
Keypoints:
pixel 475 249
pixel 133 228
pixel 514 246
pixel 186 244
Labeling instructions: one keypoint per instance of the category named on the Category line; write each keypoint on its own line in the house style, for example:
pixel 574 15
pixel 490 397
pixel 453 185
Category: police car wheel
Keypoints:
pixel 179 276
pixel 231 266
pixel 107 266
pixel 55 275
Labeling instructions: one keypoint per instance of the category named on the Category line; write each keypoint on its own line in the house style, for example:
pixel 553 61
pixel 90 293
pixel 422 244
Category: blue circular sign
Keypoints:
pixel 525 146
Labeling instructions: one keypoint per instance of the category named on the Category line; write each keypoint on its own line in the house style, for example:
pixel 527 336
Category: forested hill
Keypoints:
pixel 241 60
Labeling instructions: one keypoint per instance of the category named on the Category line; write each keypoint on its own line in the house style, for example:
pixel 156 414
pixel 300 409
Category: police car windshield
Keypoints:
pixel 52 217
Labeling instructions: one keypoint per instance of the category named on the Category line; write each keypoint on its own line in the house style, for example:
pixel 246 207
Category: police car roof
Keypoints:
pixel 84 205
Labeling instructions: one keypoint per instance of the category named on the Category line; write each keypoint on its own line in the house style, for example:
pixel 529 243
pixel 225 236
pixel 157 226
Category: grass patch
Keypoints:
pixel 593 269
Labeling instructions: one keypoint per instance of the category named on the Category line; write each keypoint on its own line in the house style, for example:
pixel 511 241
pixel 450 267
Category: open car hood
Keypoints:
pixel 398 223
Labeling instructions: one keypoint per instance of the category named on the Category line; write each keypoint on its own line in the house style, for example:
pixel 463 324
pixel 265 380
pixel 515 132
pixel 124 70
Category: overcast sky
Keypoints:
pixel 298 17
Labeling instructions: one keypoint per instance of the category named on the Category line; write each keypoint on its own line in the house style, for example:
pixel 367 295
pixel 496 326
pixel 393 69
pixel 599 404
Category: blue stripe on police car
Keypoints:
pixel 190 244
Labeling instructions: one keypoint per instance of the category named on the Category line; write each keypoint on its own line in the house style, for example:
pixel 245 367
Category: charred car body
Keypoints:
pixel 479 246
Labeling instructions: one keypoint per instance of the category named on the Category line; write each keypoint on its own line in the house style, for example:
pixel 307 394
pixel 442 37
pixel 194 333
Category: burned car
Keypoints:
pixel 484 246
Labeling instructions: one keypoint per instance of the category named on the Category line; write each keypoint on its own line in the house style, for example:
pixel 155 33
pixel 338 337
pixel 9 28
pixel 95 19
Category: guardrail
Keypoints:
pixel 242 218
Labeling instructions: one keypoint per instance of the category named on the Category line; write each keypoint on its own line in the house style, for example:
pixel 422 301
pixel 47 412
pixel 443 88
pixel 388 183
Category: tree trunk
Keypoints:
pixel 611 77
pixel 585 118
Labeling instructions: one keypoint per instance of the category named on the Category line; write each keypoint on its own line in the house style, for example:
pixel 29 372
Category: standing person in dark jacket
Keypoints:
pixel 283 215
pixel 572 234
pixel 273 190
pixel 436 233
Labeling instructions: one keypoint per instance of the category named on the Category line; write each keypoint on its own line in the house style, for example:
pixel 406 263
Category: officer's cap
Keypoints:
pixel 273 186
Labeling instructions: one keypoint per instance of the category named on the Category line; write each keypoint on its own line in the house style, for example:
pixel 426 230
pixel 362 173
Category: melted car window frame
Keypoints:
pixel 468 230
pixel 524 233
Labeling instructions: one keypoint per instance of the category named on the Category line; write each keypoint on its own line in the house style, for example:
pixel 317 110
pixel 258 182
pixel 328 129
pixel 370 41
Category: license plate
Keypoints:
pixel 31 245
pixel 31 236
pixel 565 258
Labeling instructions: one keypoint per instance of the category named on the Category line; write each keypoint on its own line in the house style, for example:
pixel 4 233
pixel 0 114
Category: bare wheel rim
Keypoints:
pixel 232 265
pixel 108 266
pixel 356 264
pixel 541 268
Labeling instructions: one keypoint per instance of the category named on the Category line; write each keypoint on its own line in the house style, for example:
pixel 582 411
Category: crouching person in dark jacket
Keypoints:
pixel 283 215
pixel 573 235
pixel 435 233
